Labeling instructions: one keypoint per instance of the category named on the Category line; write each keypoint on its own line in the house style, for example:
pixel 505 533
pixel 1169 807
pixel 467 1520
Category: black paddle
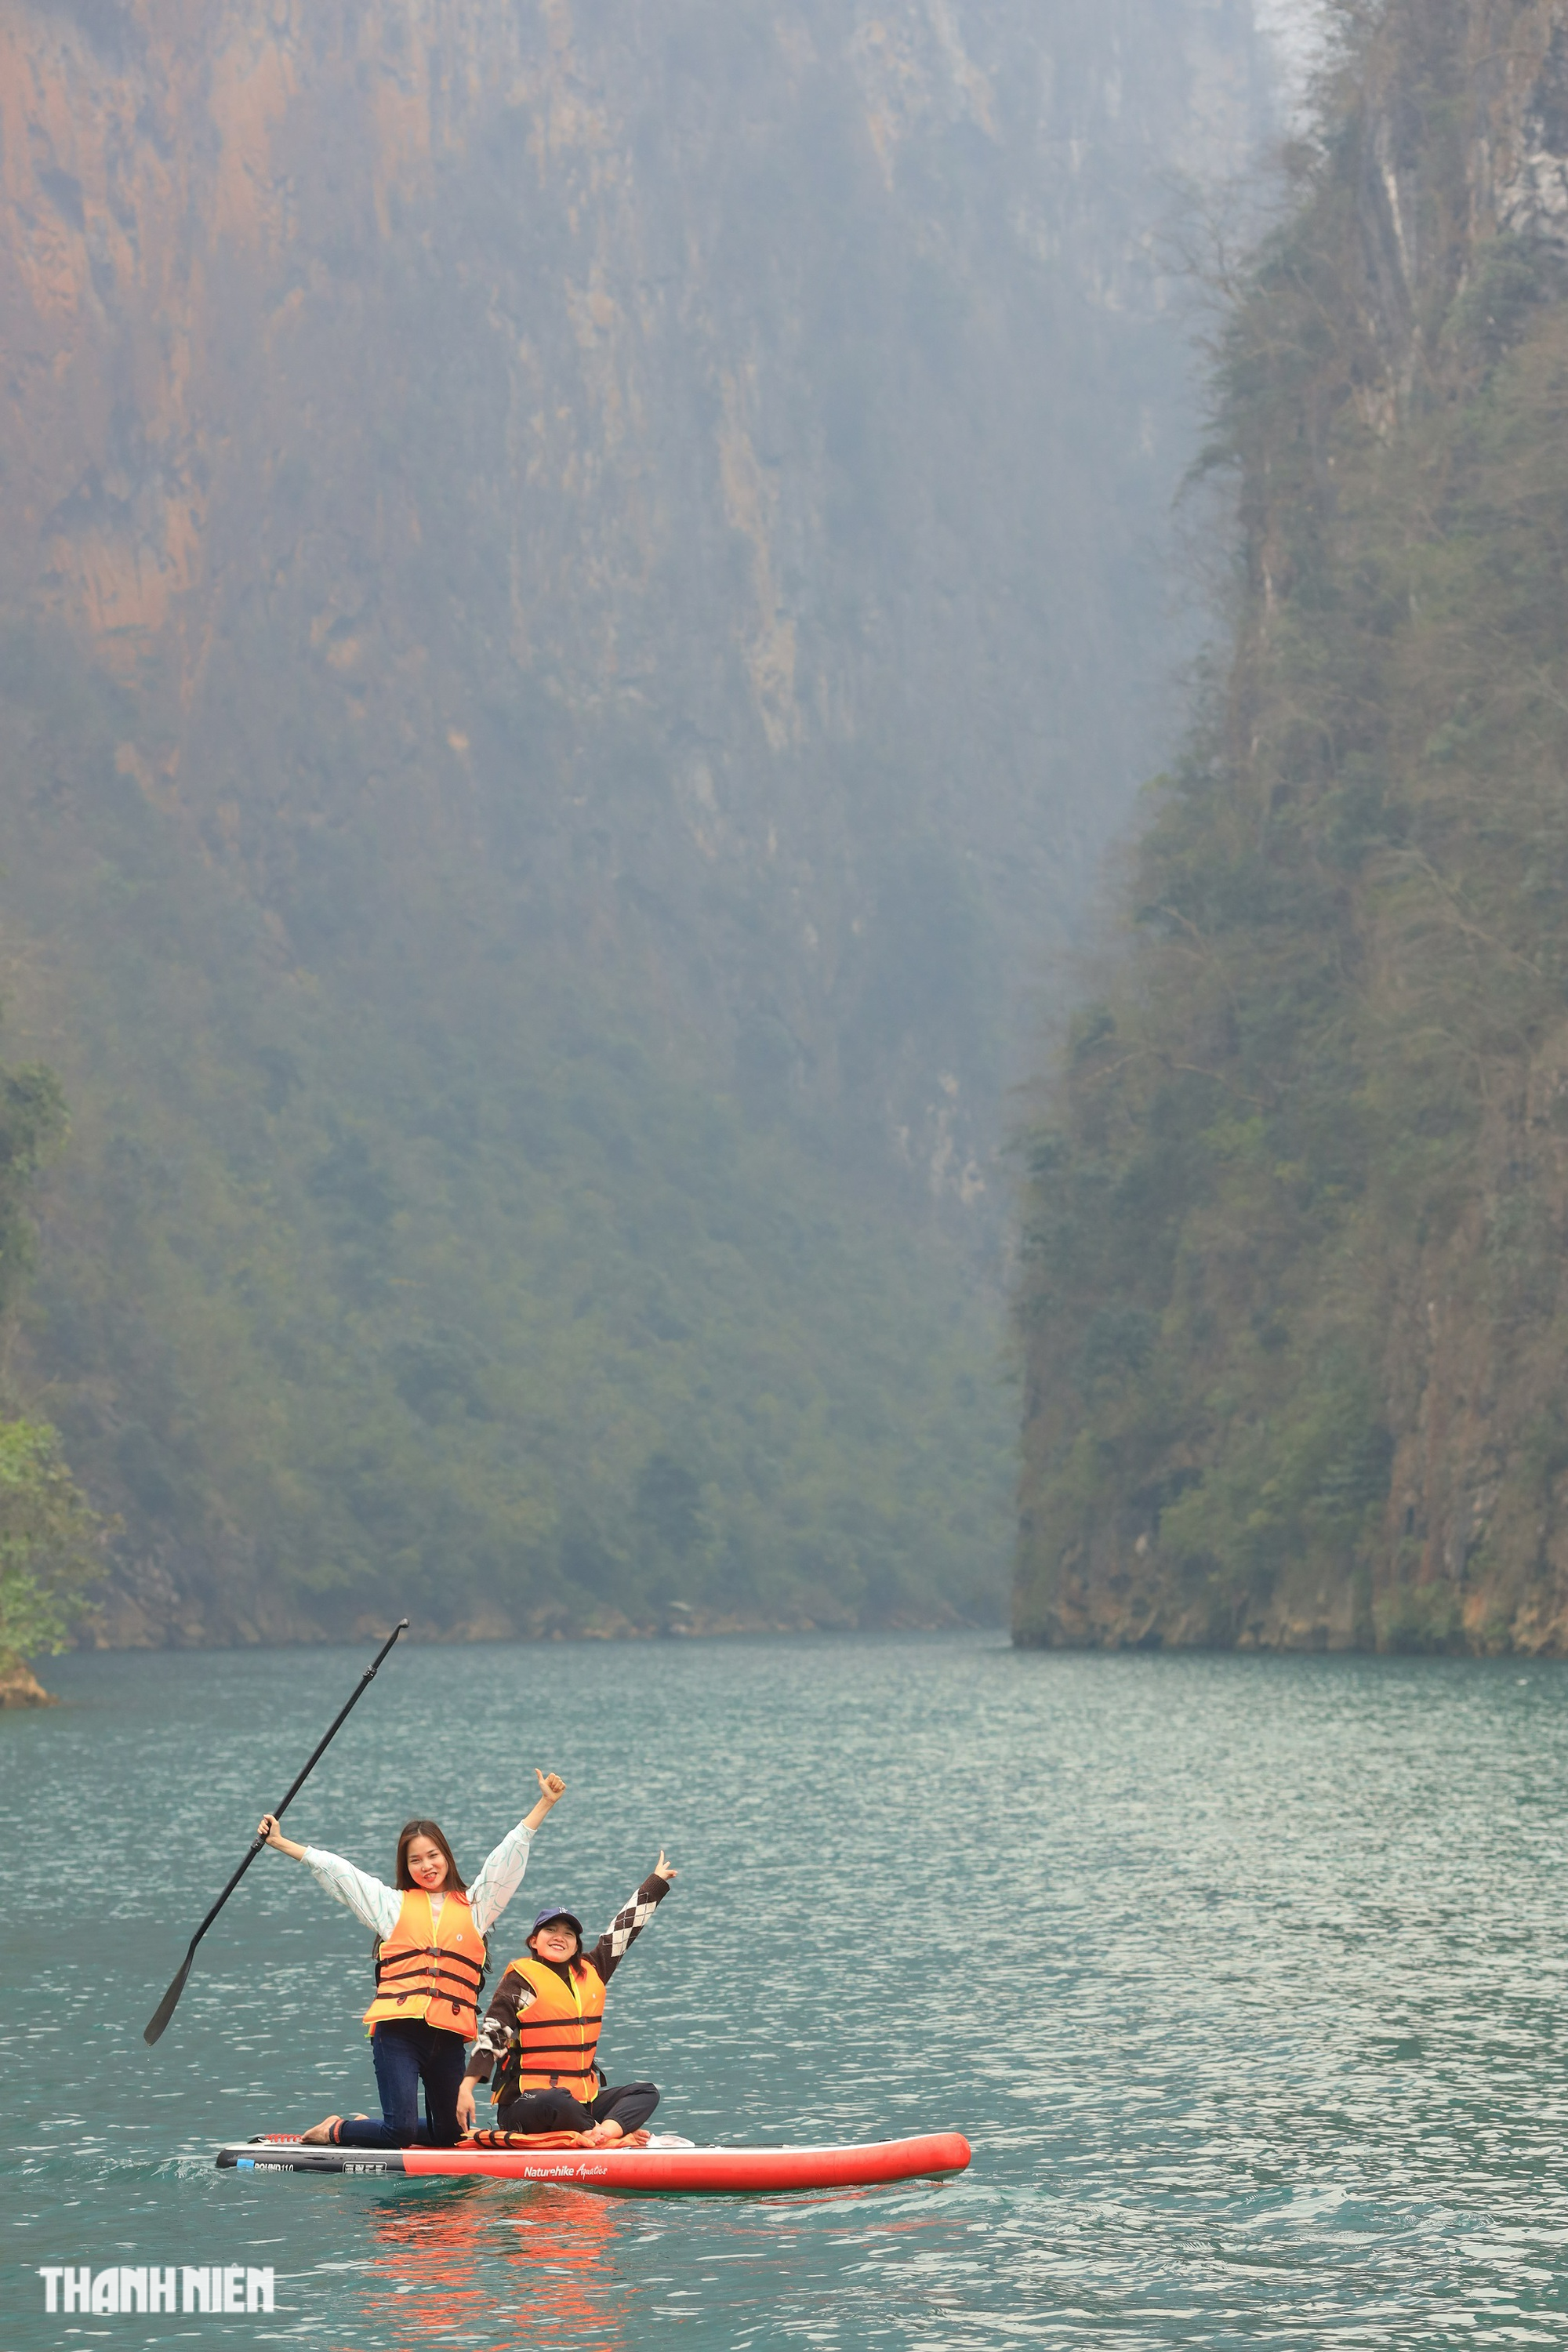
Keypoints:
pixel 166 2007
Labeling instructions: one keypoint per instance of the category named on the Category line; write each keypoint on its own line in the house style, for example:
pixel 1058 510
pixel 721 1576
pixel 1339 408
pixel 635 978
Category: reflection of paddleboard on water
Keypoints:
pixel 667 2165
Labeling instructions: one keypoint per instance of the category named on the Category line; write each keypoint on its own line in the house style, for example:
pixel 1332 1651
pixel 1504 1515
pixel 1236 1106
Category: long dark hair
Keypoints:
pixel 456 1884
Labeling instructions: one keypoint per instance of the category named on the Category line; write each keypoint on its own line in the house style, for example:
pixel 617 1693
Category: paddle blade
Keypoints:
pixel 153 2029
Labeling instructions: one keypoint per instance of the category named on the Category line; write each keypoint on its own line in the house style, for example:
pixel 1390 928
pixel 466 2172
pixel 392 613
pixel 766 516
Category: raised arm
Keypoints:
pixel 375 1905
pixel 551 1788
pixel 500 1875
pixel 632 1918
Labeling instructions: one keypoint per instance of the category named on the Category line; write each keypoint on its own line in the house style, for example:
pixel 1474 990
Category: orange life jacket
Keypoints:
pixel 557 2034
pixel 431 1966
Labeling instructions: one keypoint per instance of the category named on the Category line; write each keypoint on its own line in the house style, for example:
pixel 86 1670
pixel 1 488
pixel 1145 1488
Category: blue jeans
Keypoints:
pixel 407 2052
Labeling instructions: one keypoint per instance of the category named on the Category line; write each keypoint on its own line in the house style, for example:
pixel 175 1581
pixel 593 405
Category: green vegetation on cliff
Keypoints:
pixel 422 1275
pixel 48 1555
pixel 1291 1297
pixel 50 1546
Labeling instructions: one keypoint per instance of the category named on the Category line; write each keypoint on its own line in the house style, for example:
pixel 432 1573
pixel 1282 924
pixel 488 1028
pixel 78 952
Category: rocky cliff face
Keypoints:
pixel 1477 1520
pixel 745 422
pixel 1307 1392
pixel 651 501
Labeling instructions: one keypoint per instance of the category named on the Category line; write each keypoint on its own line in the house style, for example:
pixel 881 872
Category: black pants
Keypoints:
pixel 629 2105
pixel 407 2052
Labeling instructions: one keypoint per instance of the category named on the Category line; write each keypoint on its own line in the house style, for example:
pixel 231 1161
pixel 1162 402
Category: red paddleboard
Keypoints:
pixel 630 2172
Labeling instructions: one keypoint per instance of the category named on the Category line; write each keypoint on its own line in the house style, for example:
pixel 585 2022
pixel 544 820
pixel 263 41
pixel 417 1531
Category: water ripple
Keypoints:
pixel 1246 1978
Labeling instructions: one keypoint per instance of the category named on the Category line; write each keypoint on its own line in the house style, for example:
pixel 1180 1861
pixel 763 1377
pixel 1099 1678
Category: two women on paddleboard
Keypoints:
pixel 430 1956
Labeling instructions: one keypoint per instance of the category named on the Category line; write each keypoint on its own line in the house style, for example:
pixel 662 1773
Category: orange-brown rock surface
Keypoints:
pixel 630 522
pixel 427 351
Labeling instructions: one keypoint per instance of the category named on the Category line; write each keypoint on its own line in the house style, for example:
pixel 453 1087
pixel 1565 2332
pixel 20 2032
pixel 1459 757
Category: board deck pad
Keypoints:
pixel 667 2167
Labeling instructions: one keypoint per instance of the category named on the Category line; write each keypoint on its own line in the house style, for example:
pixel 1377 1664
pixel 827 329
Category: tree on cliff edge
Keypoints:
pixel 48 1534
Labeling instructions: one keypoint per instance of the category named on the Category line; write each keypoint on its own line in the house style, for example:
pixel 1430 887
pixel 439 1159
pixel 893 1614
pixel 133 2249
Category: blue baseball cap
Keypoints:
pixel 554 1911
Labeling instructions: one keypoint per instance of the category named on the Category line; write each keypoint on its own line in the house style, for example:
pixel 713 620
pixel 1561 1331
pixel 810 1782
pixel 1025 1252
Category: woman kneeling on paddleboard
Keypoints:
pixel 543 2027
pixel 429 1968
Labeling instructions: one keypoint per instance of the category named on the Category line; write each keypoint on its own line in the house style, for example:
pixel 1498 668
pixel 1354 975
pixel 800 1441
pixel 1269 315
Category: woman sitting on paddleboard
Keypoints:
pixel 429 1967
pixel 543 2027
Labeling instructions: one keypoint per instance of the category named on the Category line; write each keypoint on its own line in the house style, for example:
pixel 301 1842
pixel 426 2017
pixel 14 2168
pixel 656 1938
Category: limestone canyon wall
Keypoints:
pixel 644 518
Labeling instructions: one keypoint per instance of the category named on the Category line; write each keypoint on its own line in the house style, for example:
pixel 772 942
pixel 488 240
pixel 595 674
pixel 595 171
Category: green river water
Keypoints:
pixel 1245 1977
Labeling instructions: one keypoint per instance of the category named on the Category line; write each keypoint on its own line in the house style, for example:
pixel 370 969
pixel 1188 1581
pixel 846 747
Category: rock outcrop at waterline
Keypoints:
pixel 19 1686
pixel 1292 1298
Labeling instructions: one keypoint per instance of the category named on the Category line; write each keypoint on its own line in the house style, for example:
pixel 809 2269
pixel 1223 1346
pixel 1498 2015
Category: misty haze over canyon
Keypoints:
pixel 582 588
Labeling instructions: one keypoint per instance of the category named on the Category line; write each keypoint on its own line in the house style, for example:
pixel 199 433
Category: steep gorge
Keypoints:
pixel 573 599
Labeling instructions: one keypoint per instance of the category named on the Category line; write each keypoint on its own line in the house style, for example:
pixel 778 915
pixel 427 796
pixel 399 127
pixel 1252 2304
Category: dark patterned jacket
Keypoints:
pixel 514 1993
